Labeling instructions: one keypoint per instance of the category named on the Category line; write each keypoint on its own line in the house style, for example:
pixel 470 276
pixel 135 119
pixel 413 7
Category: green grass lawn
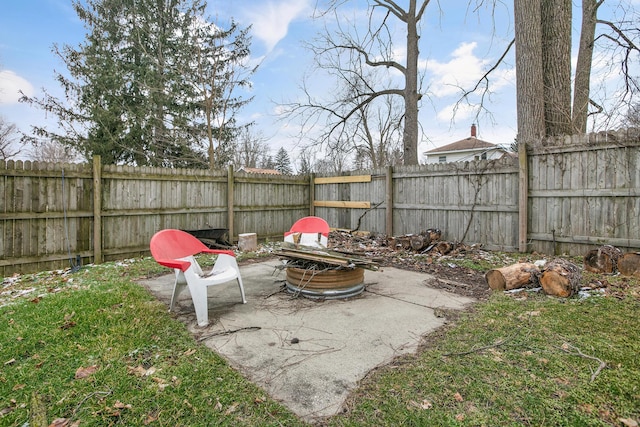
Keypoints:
pixel 95 348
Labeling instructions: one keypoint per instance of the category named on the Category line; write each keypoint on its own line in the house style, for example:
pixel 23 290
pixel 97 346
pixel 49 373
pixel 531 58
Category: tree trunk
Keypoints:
pixel 560 278
pixel 529 80
pixel 511 277
pixel 583 66
pixel 411 96
pixel 556 65
pixel 602 260
pixel 629 264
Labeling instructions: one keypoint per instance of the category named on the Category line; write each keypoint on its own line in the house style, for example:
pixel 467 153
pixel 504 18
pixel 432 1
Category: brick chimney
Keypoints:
pixel 473 130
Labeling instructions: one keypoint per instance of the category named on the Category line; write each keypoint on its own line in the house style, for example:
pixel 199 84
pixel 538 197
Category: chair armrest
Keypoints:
pixel 219 252
pixel 174 263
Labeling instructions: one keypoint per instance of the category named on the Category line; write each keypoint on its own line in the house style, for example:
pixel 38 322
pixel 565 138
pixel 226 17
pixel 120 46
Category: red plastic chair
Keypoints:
pixel 309 231
pixel 177 249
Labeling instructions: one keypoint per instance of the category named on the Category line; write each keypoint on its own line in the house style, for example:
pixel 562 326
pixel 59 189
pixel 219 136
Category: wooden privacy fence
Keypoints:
pixel 54 215
pixel 581 192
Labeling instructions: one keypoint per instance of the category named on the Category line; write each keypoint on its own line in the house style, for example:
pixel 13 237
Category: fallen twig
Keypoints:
pixel 475 350
pixel 90 395
pixel 229 332
pixel 565 347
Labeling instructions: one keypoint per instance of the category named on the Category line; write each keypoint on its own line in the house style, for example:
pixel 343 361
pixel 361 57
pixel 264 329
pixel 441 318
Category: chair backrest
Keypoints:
pixel 174 244
pixel 310 224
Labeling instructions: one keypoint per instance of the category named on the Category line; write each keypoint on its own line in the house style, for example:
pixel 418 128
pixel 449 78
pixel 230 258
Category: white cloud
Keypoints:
pixel 270 22
pixel 462 71
pixel 10 86
pixel 461 112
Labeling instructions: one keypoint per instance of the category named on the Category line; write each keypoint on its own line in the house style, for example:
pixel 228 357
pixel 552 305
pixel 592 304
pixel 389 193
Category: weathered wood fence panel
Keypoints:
pixel 45 211
pixel 584 191
pixel 268 204
pixel 145 200
pixel 475 202
pixel 363 196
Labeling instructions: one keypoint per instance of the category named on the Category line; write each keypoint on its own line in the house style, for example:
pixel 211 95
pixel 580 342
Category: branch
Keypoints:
pixel 362 216
pixel 476 350
pixel 630 45
pixel 393 8
pixel 565 347
pixel 492 69
pixel 229 332
pixel 365 55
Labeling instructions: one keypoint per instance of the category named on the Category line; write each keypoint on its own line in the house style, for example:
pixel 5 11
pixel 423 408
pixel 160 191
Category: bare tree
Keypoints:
pixel 221 71
pixel 582 81
pixel 351 59
pixel 53 152
pixel 556 65
pixel 10 144
pixel 632 117
pixel 249 149
pixel 543 40
pixel 529 79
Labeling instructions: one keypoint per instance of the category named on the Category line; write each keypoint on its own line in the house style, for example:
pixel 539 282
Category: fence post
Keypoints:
pixel 312 194
pixel 97 210
pixel 389 201
pixel 230 190
pixel 523 195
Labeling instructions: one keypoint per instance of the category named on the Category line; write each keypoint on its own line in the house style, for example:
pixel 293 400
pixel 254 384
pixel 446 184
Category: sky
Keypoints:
pixel 457 46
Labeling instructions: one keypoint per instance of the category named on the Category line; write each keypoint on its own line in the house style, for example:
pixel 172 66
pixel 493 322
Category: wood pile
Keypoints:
pixel 308 255
pixel 608 259
pixel 558 277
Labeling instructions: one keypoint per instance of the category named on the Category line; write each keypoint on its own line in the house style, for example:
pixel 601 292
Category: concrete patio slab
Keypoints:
pixel 310 354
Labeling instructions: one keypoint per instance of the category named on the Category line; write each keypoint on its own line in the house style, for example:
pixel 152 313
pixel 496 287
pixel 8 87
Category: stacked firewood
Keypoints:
pixel 425 241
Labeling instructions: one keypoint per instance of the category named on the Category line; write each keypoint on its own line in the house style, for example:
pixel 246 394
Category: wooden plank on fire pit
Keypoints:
pixel 324 256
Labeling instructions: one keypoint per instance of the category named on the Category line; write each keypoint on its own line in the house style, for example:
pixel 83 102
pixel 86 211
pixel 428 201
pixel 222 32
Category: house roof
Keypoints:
pixel 259 170
pixel 468 144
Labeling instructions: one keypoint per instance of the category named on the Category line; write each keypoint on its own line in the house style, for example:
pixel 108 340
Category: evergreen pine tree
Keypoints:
pixel 137 89
pixel 282 162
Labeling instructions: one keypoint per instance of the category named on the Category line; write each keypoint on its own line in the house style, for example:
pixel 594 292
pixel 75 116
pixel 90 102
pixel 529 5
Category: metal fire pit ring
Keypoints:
pixel 329 284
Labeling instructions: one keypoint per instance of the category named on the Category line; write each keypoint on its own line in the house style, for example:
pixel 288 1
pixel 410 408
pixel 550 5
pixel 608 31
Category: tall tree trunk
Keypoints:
pixel 529 80
pixel 583 66
pixel 411 97
pixel 556 65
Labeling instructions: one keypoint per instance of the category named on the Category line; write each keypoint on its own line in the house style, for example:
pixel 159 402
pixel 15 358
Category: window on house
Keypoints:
pixel 484 156
pixel 442 159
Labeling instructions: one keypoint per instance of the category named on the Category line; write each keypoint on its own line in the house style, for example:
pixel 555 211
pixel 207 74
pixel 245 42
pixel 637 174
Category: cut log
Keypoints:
pixel 511 277
pixel 444 247
pixel 629 264
pixel 602 260
pixel 418 242
pixel 404 241
pixel 432 234
pixel 560 278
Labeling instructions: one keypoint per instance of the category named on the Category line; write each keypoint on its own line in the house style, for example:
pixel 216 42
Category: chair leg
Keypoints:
pixel 199 297
pixel 178 287
pixel 244 300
